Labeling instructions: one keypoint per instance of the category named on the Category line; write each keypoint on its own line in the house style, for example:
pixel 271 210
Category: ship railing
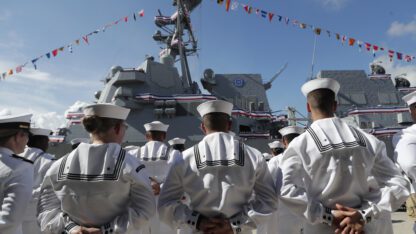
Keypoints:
pixel 377 110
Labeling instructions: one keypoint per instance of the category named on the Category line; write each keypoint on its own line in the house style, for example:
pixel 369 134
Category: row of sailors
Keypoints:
pixel 332 178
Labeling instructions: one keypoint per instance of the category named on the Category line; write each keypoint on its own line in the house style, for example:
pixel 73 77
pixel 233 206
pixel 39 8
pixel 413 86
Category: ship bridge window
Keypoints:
pixel 387 98
pixel 245 128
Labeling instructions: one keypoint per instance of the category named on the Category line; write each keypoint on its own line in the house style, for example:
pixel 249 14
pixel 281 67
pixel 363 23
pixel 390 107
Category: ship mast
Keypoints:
pixel 181 19
pixel 177 26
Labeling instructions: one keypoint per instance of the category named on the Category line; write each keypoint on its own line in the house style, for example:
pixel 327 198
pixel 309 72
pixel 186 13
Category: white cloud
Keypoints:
pixel 333 4
pixel 77 106
pixel 44 119
pixel 398 29
pixel 396 69
pixel 50 120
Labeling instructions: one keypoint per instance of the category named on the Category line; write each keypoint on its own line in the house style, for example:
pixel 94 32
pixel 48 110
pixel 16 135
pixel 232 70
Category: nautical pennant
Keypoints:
pixel 227 5
pixel 351 41
pixel 34 63
pixel 399 55
pixel 234 6
pixel 270 16
pixel 85 39
pixel 343 38
pixel 141 13
pixel 54 52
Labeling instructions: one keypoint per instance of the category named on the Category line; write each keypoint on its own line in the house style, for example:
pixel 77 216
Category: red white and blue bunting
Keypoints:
pixel 344 39
pixel 69 47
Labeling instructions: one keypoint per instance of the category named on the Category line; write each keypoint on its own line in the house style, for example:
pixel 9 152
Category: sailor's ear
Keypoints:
pixel 202 126
pixel 308 107
pixel 117 128
pixel 230 123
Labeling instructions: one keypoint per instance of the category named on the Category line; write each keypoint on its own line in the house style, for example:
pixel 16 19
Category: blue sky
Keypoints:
pixel 230 42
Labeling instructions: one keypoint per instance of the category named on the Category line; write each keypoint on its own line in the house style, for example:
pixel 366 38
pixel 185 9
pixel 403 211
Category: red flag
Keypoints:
pixel 126 18
pixel 408 58
pixel 246 8
pixel 227 5
pixel 375 48
pixel 10 72
pixel 85 39
pixel 351 41
pixel 270 16
pixel 55 52
pixel 141 13
pixel 399 56
pixel 368 46
pixel 19 69
pixel 391 54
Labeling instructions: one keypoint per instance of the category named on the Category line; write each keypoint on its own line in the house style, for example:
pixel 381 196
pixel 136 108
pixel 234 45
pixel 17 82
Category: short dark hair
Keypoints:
pixel 40 142
pixel 289 137
pixel 322 100
pixel 277 151
pixel 216 121
pixel 156 135
pixel 180 147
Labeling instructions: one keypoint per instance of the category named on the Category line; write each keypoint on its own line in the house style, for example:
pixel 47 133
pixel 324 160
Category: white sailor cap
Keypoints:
pixel 107 110
pixel 276 144
pixel 177 141
pixel 267 156
pixel 290 130
pixel 410 98
pixel 215 106
pixel 40 131
pixel 15 121
pixel 156 126
pixel 80 140
pixel 320 83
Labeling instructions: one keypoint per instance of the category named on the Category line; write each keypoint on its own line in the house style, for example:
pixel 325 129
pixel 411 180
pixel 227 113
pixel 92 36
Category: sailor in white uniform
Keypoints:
pixel 276 148
pixel 36 152
pixel 177 144
pixel 76 141
pixel 98 187
pixel 326 170
pixel 157 157
pixel 220 175
pixel 283 220
pixel 16 173
pixel 405 148
pixel 267 157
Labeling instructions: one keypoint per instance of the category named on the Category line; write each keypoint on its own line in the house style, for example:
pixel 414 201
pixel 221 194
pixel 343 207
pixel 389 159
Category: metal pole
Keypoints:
pixel 313 57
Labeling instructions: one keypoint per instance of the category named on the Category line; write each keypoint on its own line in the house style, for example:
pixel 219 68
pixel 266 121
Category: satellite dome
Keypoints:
pixel 377 69
pixel 115 69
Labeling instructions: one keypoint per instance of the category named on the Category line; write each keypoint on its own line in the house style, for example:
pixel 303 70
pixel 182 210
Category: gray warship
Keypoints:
pixel 156 91
pixel 373 101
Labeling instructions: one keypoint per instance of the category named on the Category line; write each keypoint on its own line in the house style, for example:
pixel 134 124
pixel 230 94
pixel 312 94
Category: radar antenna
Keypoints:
pixel 268 85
